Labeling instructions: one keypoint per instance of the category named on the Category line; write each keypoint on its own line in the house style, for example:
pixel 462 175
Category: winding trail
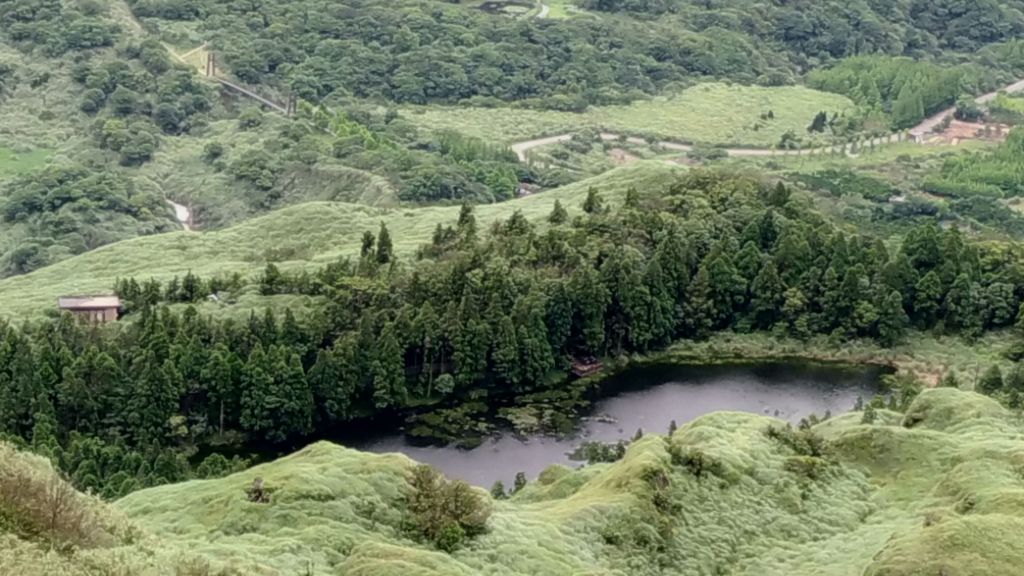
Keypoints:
pixel 934 120
pixel 926 126
pixel 544 11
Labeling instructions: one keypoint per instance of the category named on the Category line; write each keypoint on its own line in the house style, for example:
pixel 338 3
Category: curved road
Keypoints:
pixel 544 11
pixel 934 120
pixel 927 125
pixel 522 148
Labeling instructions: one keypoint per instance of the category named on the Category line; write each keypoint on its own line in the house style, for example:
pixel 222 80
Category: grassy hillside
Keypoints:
pixel 713 113
pixel 304 235
pixel 937 490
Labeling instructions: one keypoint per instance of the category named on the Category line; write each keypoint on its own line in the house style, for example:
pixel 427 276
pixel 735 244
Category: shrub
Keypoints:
pixel 250 118
pixel 699 463
pixel 804 441
pixel 38 505
pixel 445 512
pixel 212 151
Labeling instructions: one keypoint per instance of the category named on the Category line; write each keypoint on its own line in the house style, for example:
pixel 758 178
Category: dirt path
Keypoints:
pixel 929 123
pixel 544 11
pixel 183 214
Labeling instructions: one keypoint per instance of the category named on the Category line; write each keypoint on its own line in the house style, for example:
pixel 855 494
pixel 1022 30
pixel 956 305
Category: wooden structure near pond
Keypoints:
pixel 584 367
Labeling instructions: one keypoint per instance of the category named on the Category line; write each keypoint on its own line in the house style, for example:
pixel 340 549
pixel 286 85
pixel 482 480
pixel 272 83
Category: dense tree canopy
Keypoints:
pixel 494 315
pixel 71 209
pixel 420 51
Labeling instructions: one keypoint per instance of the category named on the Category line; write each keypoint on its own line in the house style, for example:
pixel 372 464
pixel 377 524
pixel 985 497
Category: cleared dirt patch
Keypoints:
pixel 622 157
pixel 959 131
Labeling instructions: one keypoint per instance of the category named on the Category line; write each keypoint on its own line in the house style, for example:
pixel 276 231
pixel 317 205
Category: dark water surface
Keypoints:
pixel 650 398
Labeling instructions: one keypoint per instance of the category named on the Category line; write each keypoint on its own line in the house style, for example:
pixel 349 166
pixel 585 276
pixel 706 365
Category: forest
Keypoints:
pixel 141 113
pixel 478 314
pixel 419 51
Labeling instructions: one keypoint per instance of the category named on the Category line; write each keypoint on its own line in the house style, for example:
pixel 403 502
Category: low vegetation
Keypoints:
pixel 927 492
pixel 712 113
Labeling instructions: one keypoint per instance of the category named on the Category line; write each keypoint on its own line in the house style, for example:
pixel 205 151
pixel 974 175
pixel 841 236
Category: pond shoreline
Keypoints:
pixel 572 401
pixel 648 397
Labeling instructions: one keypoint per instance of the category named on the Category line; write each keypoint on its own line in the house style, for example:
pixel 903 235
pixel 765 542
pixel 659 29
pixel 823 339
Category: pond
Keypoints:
pixel 651 398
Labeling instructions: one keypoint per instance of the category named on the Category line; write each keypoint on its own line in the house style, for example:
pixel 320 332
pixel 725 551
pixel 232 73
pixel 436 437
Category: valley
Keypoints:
pixel 603 287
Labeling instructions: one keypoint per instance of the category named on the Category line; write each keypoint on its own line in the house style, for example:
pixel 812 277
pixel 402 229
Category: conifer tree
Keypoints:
pixel 259 399
pixel 505 351
pixel 220 380
pixel 368 242
pixel 387 373
pixel 593 204
pixel 384 248
pixel 558 214
pixel 892 320
pixel 767 296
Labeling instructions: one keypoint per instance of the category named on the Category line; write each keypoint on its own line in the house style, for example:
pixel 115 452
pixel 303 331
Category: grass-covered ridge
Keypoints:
pixel 713 113
pixel 310 234
pixel 936 490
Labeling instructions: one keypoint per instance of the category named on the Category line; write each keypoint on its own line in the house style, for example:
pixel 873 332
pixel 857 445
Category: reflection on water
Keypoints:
pixel 650 398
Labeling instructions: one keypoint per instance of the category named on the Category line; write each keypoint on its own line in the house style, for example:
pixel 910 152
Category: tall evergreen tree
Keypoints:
pixel 908 109
pixel 366 250
pixel 927 298
pixel 590 301
pixel 466 225
pixel 220 379
pixel 384 248
pixel 535 356
pixel 296 413
pixel 593 204
pixel 558 214
pixel 387 373
pixel 505 351
pixel 892 320
pixel 767 296
pixel 260 399
pixel 155 399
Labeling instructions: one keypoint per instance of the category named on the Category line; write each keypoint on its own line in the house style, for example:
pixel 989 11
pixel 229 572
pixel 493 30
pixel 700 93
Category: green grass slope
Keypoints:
pixel 713 113
pixel 309 234
pixel 939 490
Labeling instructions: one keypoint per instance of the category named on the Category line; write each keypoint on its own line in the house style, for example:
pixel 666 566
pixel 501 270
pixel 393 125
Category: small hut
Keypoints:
pixel 98 308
